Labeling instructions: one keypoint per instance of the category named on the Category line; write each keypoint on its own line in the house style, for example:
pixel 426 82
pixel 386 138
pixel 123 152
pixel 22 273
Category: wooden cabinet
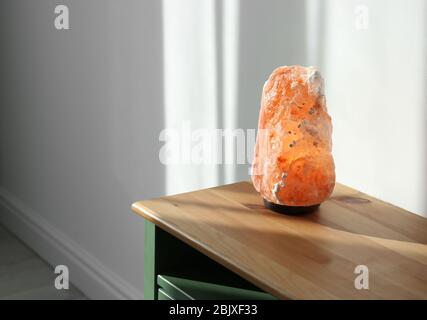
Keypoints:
pixel 225 241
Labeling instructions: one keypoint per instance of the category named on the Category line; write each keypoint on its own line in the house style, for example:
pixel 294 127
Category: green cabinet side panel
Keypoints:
pixel 149 261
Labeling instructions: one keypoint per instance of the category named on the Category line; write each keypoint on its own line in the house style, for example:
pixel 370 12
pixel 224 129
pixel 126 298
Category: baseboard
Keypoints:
pixel 87 273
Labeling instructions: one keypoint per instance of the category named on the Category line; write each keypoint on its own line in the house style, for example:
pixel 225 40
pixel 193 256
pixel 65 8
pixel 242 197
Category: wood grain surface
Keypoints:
pixel 313 256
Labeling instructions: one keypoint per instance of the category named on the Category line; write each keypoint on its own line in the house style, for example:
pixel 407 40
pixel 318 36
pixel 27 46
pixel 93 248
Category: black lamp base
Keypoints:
pixel 289 210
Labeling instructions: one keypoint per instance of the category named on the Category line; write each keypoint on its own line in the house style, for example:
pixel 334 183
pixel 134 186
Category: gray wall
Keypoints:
pixel 81 110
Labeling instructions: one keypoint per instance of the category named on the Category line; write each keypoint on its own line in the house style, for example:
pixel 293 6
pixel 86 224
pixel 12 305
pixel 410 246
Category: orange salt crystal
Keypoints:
pixel 293 165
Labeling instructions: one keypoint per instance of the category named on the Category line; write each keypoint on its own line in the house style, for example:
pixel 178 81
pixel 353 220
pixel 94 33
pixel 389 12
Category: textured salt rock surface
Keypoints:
pixel 293 164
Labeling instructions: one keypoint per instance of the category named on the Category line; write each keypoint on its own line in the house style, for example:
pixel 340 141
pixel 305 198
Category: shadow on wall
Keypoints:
pixel 271 34
pixel 81 110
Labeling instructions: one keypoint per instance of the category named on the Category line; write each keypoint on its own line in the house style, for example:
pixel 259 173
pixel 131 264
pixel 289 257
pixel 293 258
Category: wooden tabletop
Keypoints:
pixel 302 257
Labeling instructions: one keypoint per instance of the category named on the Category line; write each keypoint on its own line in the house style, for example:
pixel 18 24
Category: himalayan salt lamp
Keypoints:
pixel 293 168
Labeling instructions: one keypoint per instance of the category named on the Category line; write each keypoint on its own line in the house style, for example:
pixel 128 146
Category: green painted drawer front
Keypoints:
pixel 185 289
pixel 161 295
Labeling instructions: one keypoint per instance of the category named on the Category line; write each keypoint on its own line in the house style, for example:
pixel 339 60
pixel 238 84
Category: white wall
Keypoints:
pixel 376 81
pixel 81 110
pixel 190 77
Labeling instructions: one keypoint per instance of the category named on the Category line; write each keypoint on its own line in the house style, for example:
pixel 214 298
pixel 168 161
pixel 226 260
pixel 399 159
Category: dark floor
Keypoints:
pixel 24 275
